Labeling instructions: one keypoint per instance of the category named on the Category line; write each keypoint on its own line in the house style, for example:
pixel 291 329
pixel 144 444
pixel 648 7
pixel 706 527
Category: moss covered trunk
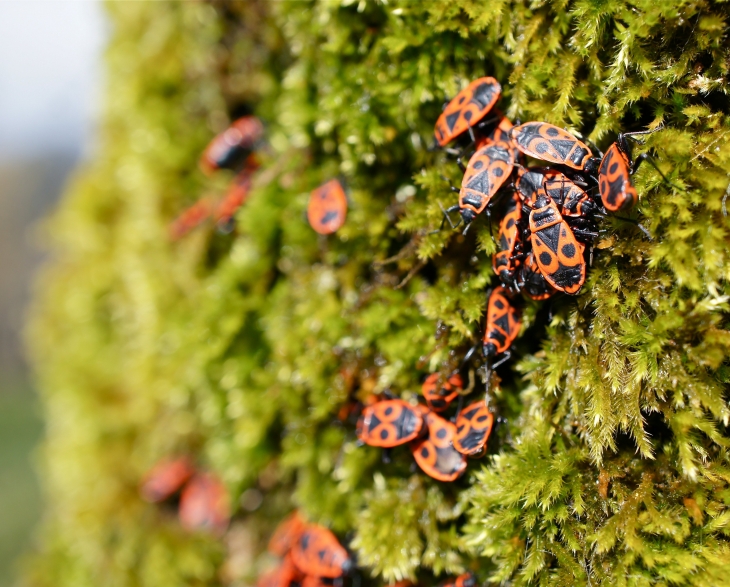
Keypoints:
pixel 240 349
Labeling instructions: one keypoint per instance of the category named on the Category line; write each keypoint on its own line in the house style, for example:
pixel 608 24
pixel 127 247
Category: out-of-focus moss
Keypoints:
pixel 613 469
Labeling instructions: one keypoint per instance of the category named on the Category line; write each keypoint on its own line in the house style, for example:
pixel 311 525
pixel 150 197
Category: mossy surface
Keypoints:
pixel 613 467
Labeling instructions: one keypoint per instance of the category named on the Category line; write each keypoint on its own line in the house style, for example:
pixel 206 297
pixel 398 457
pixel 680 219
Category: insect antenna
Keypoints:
pixel 447 218
pixel 590 143
pixel 646 157
pixel 638 225
pixel 487 384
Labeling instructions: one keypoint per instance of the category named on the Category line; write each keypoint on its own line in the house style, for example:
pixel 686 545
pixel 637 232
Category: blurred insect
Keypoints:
pixel 465 580
pixel 166 478
pixel 236 195
pixel 229 149
pixel 507 260
pixel 311 581
pixel 286 534
pixel 204 504
pixel 285 575
pixel 327 207
pixel 192 217
pixel 233 200
pixel 439 397
pixel 473 426
pixel 389 423
pixel 435 453
pixel 487 171
pixel 467 109
pixel 317 552
pixel 558 253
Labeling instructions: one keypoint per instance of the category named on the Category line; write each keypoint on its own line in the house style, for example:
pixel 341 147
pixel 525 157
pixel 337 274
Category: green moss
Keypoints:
pixel 240 349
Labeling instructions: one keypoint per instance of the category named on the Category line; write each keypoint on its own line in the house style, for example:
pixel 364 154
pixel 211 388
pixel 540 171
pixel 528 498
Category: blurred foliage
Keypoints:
pixel 242 349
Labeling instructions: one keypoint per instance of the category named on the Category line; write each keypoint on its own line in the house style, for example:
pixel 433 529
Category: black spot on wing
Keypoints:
pixel 550 236
pixel 484 94
pixel 480 183
pixel 451 119
pixel 329 216
pixel 563 147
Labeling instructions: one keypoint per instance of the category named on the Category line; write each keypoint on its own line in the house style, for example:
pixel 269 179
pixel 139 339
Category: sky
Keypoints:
pixel 50 74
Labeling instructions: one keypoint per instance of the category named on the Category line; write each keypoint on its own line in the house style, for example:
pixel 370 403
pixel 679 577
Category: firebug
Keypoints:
pixel 467 109
pixel 327 207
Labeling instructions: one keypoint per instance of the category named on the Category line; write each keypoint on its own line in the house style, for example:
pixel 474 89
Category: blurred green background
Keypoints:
pixel 20 431
pixel 50 56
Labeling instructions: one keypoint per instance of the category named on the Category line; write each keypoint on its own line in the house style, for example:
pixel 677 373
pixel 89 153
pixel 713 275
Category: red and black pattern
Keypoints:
pixel 548 142
pixel 467 109
pixel 286 534
pixel 285 575
pixel 229 149
pixel 614 180
pixel 532 282
pixel 439 395
pixel 317 552
pixel 435 453
pixel 236 196
pixel 487 171
pixel 558 253
pixel 327 209
pixel 502 324
pixel 572 201
pixel 473 426
pixel 389 423
pixel 204 504
pixel 166 479
pixel 465 580
pixel 191 218
pixel 506 261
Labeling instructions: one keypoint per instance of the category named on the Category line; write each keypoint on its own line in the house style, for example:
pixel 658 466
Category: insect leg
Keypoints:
pixel 454 152
pixel 469 354
pixel 471 134
pixel 447 218
pixel 386 456
pixel 646 157
pixel 724 198
pixel 587 234
pixel 505 357
pixel 637 223
pixel 487 384
pixel 458 408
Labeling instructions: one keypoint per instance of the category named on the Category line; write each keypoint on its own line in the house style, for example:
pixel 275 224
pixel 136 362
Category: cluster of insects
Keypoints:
pixel 201 498
pixel 311 556
pixel 439 446
pixel 235 149
pixel 548 212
